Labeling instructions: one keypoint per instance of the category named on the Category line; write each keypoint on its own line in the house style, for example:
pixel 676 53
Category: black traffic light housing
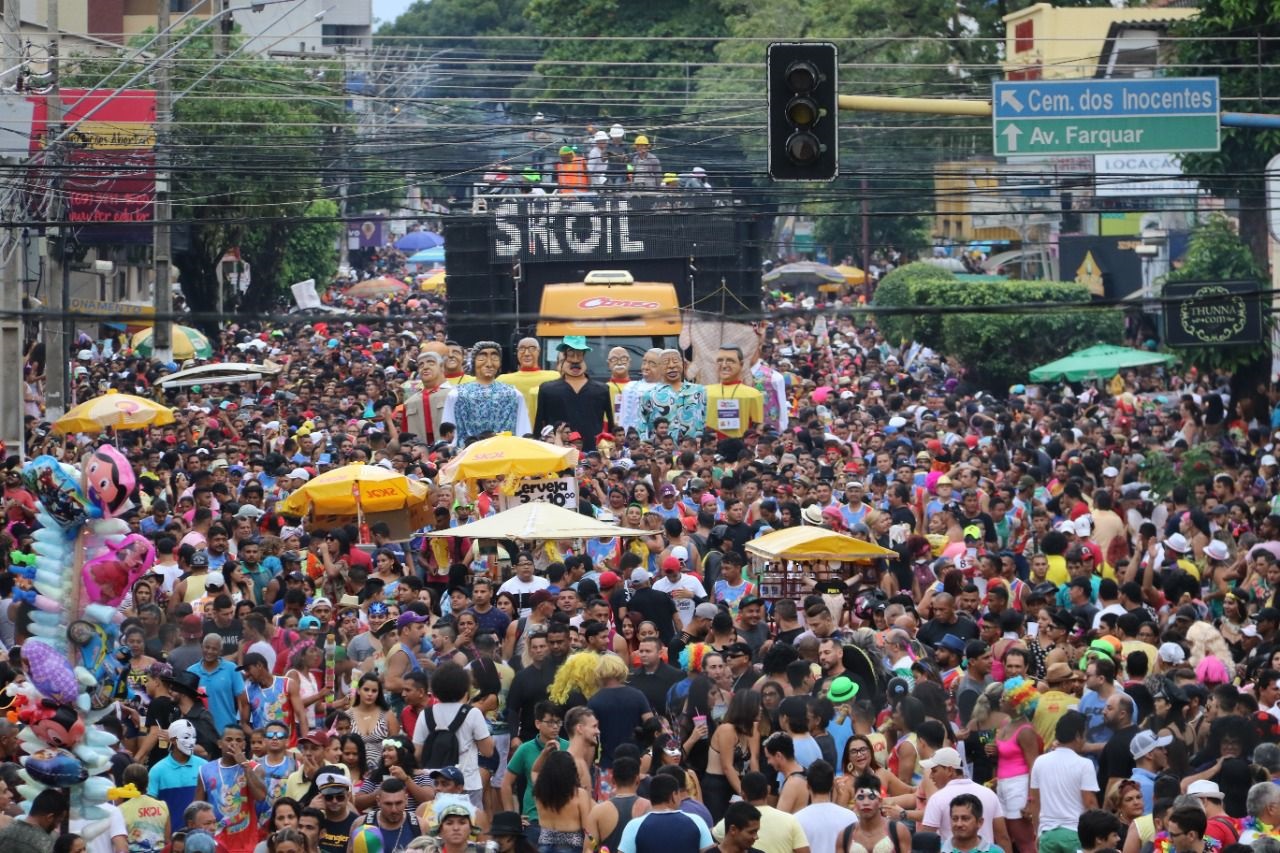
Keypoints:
pixel 803 125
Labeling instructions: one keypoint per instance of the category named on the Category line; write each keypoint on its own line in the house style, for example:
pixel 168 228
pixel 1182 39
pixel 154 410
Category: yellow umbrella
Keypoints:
pixel 852 275
pixel 814 543
pixel 343 491
pixel 433 282
pixel 114 410
pixel 510 457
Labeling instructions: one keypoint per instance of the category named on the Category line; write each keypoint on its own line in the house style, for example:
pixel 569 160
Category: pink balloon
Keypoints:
pixel 109 577
pixel 110 478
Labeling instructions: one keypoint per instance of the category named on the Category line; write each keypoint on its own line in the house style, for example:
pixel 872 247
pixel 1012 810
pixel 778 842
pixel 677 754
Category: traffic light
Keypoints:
pixel 803 124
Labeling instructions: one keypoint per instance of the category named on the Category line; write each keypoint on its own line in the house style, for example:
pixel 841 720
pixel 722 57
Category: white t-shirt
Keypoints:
pixel 937 811
pixel 170 572
pixel 1060 775
pixel 684 606
pixel 823 822
pixel 473 729
pixel 101 843
pixel 263 648
pixel 522 590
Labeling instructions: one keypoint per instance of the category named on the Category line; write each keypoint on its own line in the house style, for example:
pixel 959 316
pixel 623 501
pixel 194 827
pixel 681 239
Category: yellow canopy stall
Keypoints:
pixel 371 488
pixel 510 457
pixel 814 543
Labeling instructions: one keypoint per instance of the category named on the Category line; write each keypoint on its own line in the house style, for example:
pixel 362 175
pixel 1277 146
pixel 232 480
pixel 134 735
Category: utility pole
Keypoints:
pixel 12 356
pixel 58 329
pixel 161 342
pixel 222 41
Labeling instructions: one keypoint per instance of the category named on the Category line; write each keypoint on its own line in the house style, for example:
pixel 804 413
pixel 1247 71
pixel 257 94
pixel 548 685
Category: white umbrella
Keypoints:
pixel 538 520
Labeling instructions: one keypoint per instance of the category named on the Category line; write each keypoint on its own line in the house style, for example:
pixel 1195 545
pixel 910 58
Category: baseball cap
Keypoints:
pixel 1143 742
pixel 640 576
pixel 192 625
pixel 249 511
pixel 945 757
pixel 608 580
pixel 331 780
pixel 322 602
pixel 214 579
pixel 667 489
pixel 705 611
pixel 453 774
pixel 299 474
pixel 671 564
pixel 952 642
pixel 681 553
pixel 199 560
pixel 411 618
pixel 308 623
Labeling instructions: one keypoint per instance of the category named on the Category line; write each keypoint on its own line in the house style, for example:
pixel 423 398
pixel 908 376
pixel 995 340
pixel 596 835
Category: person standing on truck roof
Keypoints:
pixel 619 361
pixel 733 407
pixel 530 376
pixel 682 404
pixel 571 172
pixel 575 398
pixel 598 158
pixel 650 371
pixel 485 405
pixel 648 168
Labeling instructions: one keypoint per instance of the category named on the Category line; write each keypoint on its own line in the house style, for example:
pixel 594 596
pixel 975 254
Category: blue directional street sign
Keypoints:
pixel 1094 116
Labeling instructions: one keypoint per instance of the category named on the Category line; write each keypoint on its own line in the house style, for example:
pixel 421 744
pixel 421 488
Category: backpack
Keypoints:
pixel 441 746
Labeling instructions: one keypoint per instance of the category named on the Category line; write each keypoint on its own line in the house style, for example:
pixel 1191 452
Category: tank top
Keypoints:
pixel 395 840
pixel 624 805
pixel 1010 760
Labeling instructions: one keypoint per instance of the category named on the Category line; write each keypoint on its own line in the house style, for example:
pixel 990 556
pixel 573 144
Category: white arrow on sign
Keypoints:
pixel 1008 98
pixel 1011 134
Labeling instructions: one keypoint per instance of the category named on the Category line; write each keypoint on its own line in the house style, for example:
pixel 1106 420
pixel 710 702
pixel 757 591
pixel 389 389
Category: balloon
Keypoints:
pixel 58 491
pixel 108 578
pixel 56 768
pixel 101 669
pixel 63 729
pixel 50 672
pixel 110 480
pixel 366 839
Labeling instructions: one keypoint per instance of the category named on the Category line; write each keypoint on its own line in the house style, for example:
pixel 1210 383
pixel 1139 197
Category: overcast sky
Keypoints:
pixel 389 10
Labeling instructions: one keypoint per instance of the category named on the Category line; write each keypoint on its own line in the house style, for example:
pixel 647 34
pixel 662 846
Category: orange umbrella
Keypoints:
pixel 376 287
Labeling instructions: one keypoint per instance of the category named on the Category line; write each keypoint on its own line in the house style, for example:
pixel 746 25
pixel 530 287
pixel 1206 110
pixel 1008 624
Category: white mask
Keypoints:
pixel 183 734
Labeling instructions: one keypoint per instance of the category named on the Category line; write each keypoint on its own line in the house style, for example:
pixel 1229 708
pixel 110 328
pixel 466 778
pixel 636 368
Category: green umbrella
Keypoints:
pixel 1101 361
pixel 187 342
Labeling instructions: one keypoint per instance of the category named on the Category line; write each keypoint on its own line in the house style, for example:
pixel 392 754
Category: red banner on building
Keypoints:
pixel 111 179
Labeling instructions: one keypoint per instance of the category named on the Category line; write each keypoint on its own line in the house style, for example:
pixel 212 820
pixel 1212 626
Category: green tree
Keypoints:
pixel 997 347
pixel 650 74
pixel 1238 42
pixel 452 34
pixel 247 163
pixel 300 250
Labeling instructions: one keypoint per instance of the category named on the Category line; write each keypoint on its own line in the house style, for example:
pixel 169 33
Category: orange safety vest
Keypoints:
pixel 571 175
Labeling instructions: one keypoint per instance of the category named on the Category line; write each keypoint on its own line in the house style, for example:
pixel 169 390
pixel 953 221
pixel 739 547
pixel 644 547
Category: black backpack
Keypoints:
pixel 441 746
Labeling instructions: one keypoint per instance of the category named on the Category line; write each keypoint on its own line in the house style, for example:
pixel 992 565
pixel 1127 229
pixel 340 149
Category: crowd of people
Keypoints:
pixel 1064 652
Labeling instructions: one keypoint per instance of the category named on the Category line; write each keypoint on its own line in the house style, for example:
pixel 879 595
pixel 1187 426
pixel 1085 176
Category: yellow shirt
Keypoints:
pixel 739 406
pixel 1057 574
pixel 615 398
pixel 1052 705
pixel 527 383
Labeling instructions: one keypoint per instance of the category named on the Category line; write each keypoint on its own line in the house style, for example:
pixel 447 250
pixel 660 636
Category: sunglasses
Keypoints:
pixel 335 797
pixel 276 735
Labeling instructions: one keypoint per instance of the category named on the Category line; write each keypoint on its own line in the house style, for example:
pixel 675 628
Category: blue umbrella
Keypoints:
pixel 416 241
pixel 428 256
